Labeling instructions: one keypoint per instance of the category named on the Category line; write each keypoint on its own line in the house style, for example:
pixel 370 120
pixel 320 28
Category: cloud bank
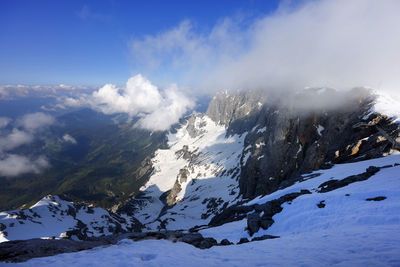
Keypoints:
pixel 328 43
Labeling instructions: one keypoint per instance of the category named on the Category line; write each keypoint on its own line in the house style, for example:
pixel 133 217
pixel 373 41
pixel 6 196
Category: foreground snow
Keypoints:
pixel 364 247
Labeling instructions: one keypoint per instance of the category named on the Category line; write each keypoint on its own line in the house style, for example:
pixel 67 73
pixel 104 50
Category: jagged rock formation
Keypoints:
pixel 286 140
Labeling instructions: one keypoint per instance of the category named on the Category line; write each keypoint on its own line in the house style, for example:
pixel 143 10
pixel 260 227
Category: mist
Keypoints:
pixel 337 44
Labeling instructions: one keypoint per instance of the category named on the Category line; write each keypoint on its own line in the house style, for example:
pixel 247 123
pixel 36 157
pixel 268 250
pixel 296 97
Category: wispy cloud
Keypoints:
pixel 87 13
pixel 24 131
pixel 69 139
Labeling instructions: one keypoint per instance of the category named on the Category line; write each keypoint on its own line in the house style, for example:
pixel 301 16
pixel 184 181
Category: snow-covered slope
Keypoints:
pixel 197 174
pixel 53 217
pixel 345 209
pixel 348 231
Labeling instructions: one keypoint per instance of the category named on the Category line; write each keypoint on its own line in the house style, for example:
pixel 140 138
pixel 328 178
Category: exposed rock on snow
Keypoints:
pixel 53 217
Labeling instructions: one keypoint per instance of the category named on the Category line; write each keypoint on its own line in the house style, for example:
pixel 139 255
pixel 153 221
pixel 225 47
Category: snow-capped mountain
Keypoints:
pixel 251 169
pixel 53 217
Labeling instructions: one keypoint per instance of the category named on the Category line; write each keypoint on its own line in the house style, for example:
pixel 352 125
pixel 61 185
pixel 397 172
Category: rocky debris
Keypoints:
pixel 335 184
pixel 376 198
pixel 252 213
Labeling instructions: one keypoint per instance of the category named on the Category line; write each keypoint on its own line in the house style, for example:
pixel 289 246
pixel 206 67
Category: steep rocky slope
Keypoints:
pixel 288 140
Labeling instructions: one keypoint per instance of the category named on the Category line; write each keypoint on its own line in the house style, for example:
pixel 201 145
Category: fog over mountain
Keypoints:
pixel 338 44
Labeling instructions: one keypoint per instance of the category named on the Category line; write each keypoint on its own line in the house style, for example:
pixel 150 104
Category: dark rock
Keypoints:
pixel 265 223
pixel 207 243
pixel 243 240
pixel 2 227
pixel 376 199
pixel 253 223
pixel 321 204
pixel 225 242
pixel 192 238
pixel 335 184
pixel 372 170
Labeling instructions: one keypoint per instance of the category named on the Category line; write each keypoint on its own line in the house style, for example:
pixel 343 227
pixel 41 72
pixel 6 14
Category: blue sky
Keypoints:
pixel 87 42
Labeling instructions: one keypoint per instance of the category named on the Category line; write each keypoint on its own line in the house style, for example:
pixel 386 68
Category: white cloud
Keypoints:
pixel 28 126
pixel 138 96
pixel 157 109
pixel 14 165
pixel 173 106
pixel 327 43
pixel 15 139
pixel 69 139
pixel 35 121
pixel 4 121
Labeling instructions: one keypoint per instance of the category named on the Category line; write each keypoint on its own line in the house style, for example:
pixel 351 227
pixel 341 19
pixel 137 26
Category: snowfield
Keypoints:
pixel 211 180
pixel 347 231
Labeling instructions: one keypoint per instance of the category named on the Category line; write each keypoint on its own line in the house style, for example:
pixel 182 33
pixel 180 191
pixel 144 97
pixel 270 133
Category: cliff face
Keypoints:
pixel 284 141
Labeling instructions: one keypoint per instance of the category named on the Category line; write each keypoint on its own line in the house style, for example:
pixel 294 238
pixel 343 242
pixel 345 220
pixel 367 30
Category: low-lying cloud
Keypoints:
pixel 327 43
pixel 23 132
pixel 35 121
pixel 14 165
pixel 69 139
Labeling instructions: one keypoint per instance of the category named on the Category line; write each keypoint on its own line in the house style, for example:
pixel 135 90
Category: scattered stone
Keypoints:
pixel 321 204
pixel 376 199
